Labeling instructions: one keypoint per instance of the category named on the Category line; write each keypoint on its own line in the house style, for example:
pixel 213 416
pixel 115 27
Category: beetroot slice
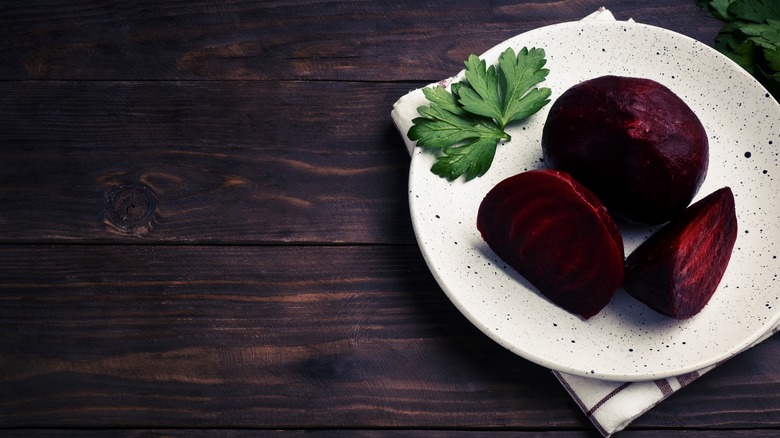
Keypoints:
pixel 557 234
pixel 677 270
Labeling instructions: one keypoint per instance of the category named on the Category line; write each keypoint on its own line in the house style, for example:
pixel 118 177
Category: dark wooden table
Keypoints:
pixel 204 229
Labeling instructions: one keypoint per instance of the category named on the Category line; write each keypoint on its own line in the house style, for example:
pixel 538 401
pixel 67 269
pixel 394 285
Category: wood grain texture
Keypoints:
pixel 292 337
pixel 234 162
pixel 377 433
pixel 316 40
pixel 264 337
pixel 204 229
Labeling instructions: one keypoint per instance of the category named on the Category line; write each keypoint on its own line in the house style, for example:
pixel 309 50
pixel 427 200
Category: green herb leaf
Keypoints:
pixel 482 95
pixel 755 11
pixel 447 129
pixel 750 37
pixel 773 58
pixel 466 125
pixel 517 74
pixel 717 8
pixel 471 159
pixel 444 122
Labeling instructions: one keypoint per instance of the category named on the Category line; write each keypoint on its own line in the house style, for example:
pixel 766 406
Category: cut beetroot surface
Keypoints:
pixel 557 234
pixel 678 269
pixel 631 141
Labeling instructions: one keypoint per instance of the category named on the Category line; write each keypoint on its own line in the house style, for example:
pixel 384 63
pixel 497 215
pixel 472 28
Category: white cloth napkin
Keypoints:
pixel 609 405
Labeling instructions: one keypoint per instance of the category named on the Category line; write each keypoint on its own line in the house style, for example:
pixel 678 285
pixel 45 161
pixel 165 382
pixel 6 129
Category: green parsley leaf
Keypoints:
pixel 482 97
pixel 773 58
pixel 755 11
pixel 466 125
pixel 517 75
pixel 444 123
pixel 750 37
pixel 717 8
pixel 471 159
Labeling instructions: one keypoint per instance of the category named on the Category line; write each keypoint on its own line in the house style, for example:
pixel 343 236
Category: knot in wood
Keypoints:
pixel 131 206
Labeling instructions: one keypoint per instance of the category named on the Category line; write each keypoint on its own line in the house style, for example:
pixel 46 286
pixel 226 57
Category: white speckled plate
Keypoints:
pixel 626 341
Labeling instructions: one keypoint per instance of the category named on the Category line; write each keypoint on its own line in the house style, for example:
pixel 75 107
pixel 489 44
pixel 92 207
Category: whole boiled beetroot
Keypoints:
pixel 558 235
pixel 632 141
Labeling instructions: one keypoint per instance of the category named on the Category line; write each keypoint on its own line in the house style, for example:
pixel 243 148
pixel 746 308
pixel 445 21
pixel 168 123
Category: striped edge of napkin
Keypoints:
pixel 609 405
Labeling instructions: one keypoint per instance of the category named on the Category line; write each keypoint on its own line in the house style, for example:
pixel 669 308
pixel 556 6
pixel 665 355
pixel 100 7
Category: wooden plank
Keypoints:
pixel 718 399
pixel 319 40
pixel 378 433
pixel 202 162
pixel 280 337
pixel 310 433
pixel 288 337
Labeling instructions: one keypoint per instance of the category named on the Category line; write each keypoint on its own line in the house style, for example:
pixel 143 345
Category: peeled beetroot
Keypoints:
pixel 677 270
pixel 633 142
pixel 558 235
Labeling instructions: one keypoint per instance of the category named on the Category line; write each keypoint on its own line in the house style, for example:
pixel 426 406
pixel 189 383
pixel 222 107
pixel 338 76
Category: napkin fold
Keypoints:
pixel 609 405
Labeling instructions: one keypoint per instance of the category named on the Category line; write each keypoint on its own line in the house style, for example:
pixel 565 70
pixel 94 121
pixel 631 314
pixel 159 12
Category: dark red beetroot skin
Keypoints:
pixel 677 270
pixel 556 234
pixel 633 142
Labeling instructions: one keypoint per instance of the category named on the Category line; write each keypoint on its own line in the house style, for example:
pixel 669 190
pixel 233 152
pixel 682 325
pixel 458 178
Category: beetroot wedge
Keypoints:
pixel 677 270
pixel 557 234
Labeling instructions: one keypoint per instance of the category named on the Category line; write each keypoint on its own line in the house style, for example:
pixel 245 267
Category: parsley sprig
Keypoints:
pixel 750 37
pixel 465 125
